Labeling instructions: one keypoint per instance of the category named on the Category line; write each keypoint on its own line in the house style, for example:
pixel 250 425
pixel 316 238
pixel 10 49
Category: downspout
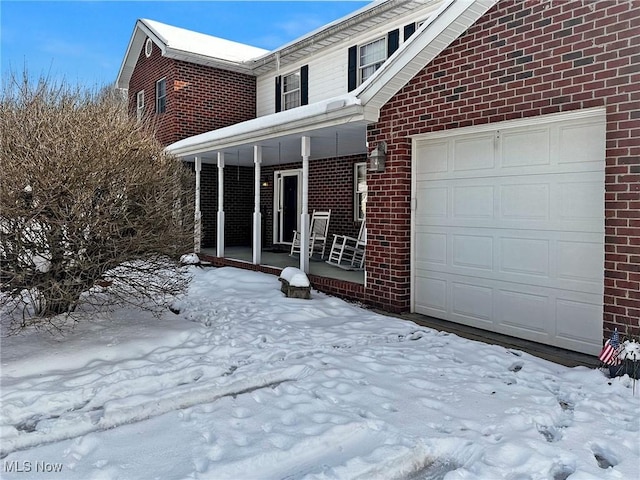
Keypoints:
pixel 197 228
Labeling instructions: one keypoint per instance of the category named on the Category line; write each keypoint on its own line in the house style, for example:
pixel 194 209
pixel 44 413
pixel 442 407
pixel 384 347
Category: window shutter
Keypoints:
pixel 393 41
pixel 409 30
pixel 279 93
pixel 304 85
pixel 352 71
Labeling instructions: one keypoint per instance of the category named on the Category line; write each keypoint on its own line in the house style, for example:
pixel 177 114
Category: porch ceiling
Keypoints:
pixel 327 142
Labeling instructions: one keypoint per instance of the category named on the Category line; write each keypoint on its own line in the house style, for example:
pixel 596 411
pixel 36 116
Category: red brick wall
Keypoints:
pixel 199 98
pixel 331 183
pixel 238 205
pixel 521 59
pixel 144 77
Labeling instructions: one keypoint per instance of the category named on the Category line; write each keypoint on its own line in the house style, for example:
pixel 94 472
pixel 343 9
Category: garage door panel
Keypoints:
pixel 472 251
pixel 476 152
pixel 555 202
pixel 524 256
pixel 436 252
pixel 561 260
pixel 438 155
pixel 472 301
pixel 434 202
pixel 581 319
pixel 525 148
pixel 581 201
pixel 433 294
pixel 525 201
pixel 509 227
pixel 473 201
pixel 580 261
pixel 524 310
pixel 581 142
pixel 541 314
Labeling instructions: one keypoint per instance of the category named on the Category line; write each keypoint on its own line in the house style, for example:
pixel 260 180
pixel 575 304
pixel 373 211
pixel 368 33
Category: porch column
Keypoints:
pixel 197 227
pixel 220 236
pixel 257 216
pixel 304 215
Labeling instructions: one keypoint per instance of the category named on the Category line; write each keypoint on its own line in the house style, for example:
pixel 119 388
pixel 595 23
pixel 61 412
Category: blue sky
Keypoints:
pixel 84 42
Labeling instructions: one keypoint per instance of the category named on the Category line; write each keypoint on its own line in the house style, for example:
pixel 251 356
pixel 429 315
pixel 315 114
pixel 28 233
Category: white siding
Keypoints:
pixel 328 68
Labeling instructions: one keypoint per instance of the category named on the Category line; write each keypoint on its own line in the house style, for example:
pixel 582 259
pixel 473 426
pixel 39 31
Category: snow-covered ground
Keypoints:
pixel 246 384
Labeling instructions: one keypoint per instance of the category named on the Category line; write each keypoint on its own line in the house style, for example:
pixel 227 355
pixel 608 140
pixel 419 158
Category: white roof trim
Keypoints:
pixel 334 111
pixel 362 104
pixel 175 39
pixel 181 44
pixel 445 25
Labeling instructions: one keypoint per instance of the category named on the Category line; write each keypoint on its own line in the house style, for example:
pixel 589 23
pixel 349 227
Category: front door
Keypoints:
pixel 288 201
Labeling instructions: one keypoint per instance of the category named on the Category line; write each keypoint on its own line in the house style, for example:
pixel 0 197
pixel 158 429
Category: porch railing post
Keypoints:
pixel 197 227
pixel 220 224
pixel 257 216
pixel 304 215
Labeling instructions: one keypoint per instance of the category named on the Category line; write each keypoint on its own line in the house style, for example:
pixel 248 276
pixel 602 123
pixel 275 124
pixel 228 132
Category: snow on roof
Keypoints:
pixel 268 123
pixel 176 38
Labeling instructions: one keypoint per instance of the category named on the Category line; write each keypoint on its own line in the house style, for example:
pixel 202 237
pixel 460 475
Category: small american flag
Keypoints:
pixel 611 350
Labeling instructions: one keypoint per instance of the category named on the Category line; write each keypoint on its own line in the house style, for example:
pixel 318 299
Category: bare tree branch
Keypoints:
pixel 87 196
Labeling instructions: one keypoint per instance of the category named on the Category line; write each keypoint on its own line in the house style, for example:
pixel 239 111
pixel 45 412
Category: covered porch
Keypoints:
pixel 258 181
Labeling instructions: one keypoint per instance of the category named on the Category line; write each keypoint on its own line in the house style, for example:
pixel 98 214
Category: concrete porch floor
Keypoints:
pixel 320 268
pixel 283 259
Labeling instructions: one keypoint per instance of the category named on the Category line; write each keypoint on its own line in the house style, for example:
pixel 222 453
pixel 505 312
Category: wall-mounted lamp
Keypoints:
pixel 378 157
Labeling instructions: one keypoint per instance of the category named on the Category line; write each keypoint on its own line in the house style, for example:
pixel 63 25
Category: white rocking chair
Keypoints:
pixel 318 230
pixel 348 252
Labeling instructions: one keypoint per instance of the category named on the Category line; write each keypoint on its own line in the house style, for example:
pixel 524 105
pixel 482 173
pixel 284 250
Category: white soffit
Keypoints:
pixel 332 112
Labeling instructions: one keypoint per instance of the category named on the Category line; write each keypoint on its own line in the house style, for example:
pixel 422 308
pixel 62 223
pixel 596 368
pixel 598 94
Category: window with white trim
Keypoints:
pixel 291 90
pixel 359 191
pixel 371 57
pixel 161 96
pixel 140 105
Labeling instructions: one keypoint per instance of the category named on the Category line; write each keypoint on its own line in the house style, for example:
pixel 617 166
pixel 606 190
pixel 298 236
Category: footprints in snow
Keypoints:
pixel 604 456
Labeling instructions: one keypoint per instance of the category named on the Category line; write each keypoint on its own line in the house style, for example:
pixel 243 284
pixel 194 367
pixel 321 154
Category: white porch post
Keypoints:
pixel 197 228
pixel 304 215
pixel 257 216
pixel 220 236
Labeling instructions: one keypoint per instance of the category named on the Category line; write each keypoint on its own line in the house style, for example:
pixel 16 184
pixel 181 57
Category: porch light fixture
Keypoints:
pixel 378 157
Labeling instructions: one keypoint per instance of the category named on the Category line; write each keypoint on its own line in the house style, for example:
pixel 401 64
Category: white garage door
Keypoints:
pixel 508 228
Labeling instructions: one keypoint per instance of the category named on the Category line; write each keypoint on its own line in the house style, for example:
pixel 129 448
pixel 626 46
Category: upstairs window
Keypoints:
pixel 366 58
pixel 292 90
pixel 161 96
pixel 372 56
pixel 359 191
pixel 140 105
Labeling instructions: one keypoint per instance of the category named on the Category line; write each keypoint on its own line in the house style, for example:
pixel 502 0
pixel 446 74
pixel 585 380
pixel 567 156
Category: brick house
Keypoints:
pixel 510 196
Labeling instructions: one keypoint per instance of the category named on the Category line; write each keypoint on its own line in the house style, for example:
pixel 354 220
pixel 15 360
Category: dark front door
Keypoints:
pixel 289 207
pixel 288 197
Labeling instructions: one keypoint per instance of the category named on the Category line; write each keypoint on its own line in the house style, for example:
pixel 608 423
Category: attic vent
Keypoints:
pixel 148 47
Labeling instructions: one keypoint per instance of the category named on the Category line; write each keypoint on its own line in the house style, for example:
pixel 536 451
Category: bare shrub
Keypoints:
pixel 88 201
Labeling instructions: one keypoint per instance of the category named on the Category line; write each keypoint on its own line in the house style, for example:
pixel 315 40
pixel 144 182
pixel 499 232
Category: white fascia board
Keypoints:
pixel 130 59
pixel 140 33
pixel 332 112
pixel 449 22
pixel 207 61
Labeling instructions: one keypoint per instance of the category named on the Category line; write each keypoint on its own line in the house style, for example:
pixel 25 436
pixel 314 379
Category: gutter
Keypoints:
pixel 337 111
